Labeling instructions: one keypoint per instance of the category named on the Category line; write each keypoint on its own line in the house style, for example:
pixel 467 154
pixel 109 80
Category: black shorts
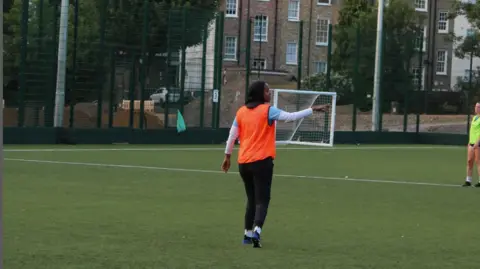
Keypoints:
pixel 472 145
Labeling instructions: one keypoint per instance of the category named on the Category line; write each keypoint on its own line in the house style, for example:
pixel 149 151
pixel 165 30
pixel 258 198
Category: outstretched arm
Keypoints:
pixel 278 114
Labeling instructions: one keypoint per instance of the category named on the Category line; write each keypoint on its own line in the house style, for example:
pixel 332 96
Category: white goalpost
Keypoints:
pixel 317 129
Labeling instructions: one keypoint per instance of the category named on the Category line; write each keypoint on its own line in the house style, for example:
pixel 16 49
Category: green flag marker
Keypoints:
pixel 180 123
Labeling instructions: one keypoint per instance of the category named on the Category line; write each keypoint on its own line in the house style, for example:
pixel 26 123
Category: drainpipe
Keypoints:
pixel 239 41
pixel 432 48
pixel 275 26
pixel 309 38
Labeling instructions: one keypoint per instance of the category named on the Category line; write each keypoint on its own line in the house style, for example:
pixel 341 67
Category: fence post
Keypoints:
pixel 143 63
pixel 220 69
pixel 380 84
pixel 39 52
pixel 50 93
pixel 419 86
pixel 329 57
pixel 112 88
pixel 23 63
pixel 100 66
pixel 470 90
pixel 247 56
pixel 406 93
pixel 204 72
pixel 40 25
pixel 356 78
pixel 329 67
pixel 184 54
pixel 167 71
pixel 299 55
pixel 74 66
pixel 131 90
pixel 215 68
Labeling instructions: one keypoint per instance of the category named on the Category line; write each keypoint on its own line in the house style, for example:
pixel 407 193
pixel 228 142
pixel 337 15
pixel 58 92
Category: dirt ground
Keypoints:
pixel 391 122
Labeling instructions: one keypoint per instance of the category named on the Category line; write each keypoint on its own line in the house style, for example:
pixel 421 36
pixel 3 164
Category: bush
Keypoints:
pixel 339 83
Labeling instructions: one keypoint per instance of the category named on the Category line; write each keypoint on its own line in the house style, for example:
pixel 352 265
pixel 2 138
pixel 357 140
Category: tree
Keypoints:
pixel 171 25
pixel 7 4
pixel 357 27
pixel 339 83
pixel 465 45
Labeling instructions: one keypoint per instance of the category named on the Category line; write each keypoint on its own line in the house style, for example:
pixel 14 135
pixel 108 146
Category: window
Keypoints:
pixel 421 38
pixel 322 32
pixel 320 67
pixel 293 10
pixel 230 48
pixel 323 2
pixel 291 53
pixel 260 28
pixel 441 66
pixel 231 8
pixel 421 5
pixel 259 64
pixel 443 22
pixel 415 77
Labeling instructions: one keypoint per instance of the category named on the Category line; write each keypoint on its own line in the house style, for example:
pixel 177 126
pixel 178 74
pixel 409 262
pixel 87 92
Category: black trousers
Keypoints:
pixel 257 178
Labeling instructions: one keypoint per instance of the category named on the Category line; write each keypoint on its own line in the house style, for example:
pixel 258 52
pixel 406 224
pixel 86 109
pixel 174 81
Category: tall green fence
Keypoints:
pixel 127 66
pixel 410 100
pixel 121 57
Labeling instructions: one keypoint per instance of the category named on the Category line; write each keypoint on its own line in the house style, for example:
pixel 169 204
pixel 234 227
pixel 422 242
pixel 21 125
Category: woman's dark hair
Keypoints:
pixel 256 94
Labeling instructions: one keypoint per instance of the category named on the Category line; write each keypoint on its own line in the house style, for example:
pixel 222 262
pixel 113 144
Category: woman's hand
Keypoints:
pixel 226 163
pixel 321 108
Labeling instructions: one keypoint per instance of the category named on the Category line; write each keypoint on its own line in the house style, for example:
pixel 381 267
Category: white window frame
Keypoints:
pixel 235 15
pixel 295 61
pixel 445 63
pixel 422 80
pixel 424 43
pixel 443 31
pixel 424 9
pixel 297 17
pixel 316 69
pixel 316 32
pixel 324 4
pixel 263 38
pixel 259 60
pixel 235 49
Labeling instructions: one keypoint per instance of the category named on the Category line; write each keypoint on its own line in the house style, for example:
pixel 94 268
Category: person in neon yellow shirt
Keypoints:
pixel 473 147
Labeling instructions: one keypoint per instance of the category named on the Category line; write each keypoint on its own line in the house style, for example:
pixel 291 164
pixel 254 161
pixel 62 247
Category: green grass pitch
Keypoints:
pixel 170 207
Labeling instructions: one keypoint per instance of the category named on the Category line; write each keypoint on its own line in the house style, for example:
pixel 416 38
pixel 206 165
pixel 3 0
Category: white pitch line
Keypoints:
pixel 220 172
pixel 221 148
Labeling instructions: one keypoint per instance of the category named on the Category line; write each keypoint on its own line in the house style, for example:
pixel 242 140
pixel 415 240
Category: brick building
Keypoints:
pixel 275 33
pixel 275 36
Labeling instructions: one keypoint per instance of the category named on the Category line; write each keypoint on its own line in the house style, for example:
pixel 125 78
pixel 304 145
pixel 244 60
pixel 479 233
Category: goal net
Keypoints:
pixel 317 129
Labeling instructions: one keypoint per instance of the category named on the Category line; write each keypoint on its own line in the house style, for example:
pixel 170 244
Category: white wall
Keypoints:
pixel 193 63
pixel 461 25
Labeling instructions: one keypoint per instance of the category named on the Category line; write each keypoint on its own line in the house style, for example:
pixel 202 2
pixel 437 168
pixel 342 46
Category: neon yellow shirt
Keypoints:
pixel 474 130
